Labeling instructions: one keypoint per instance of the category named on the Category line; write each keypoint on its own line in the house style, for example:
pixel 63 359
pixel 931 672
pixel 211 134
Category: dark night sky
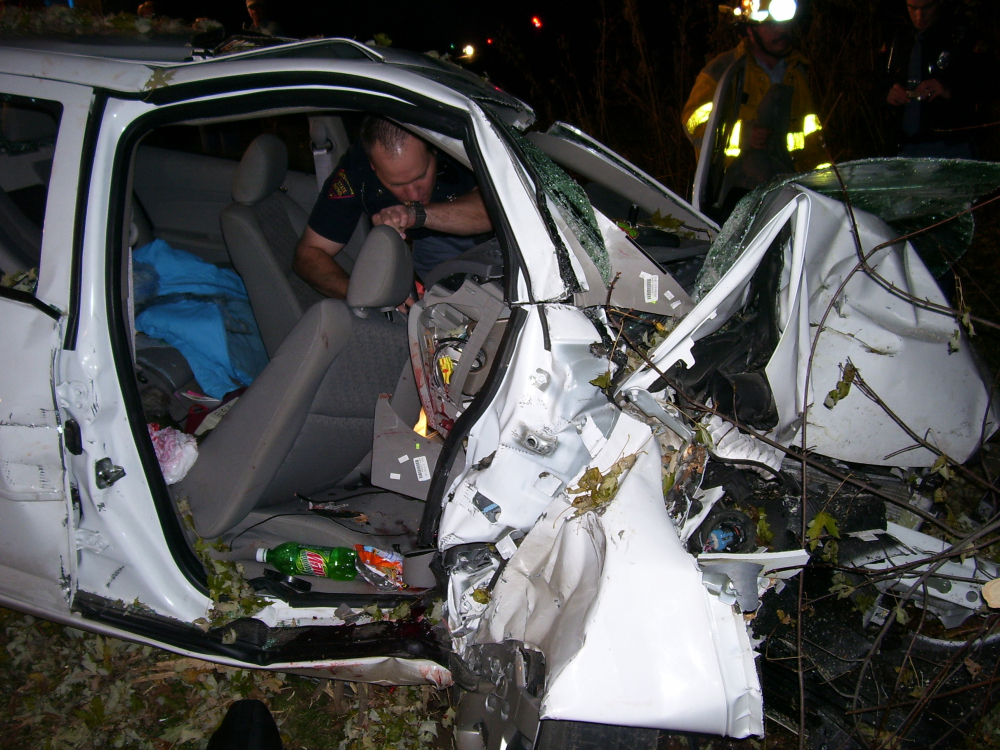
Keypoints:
pixel 419 26
pixel 416 25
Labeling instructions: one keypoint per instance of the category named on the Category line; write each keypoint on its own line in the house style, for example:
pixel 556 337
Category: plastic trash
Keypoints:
pixel 382 569
pixel 294 559
pixel 176 451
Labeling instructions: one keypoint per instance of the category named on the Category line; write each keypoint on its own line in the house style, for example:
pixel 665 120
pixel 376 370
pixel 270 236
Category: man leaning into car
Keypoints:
pixel 400 181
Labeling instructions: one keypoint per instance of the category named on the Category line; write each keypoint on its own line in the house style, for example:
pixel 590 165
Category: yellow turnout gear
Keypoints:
pixel 803 139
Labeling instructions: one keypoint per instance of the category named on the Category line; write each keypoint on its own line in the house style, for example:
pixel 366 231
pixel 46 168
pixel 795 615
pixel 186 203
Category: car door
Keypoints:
pixel 43 133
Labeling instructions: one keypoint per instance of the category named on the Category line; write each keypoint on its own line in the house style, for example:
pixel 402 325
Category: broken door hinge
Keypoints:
pixel 107 473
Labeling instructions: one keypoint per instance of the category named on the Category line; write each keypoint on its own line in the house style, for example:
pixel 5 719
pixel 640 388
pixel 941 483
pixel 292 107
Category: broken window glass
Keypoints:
pixel 571 201
pixel 908 194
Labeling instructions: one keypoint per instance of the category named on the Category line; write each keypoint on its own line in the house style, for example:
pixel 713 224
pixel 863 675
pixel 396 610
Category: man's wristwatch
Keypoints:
pixel 420 214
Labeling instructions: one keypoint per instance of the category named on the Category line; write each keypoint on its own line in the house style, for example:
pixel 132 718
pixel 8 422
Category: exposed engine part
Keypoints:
pixel 725 531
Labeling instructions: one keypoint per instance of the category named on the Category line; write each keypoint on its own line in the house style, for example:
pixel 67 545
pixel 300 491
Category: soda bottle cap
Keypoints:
pixel 262 555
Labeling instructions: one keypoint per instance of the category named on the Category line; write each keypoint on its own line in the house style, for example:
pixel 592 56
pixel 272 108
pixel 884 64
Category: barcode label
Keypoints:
pixel 650 287
pixel 423 471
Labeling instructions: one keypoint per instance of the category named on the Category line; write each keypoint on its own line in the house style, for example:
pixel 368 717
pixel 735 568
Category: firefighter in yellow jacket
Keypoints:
pixel 766 124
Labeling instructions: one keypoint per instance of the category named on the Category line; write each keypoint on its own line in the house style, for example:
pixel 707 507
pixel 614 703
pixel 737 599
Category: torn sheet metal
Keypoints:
pixel 536 436
pixel 900 349
pixel 579 583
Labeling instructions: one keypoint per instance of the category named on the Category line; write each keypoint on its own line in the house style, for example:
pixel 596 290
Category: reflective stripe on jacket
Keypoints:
pixel 802 140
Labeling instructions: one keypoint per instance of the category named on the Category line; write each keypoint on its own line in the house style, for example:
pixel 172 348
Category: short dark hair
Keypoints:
pixel 379 130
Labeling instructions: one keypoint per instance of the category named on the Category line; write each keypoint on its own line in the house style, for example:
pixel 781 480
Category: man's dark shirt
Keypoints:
pixel 354 189
pixel 945 51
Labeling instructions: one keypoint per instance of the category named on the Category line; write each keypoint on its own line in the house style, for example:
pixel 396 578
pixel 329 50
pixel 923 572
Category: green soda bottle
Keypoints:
pixel 294 559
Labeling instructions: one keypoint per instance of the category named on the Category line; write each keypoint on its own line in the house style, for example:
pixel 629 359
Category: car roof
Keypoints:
pixel 133 64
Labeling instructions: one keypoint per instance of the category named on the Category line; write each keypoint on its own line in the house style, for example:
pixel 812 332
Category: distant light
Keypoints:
pixel 452 46
pixel 536 22
pixel 489 41
pixel 469 50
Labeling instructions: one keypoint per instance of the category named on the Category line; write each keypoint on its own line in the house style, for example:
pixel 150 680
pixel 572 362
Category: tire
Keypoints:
pixel 579 735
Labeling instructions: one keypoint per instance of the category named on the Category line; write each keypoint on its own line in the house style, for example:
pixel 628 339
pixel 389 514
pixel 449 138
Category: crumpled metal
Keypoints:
pixel 908 194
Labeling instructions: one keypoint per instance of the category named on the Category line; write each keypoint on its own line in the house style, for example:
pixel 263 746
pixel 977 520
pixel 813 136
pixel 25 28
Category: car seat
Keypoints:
pixel 308 419
pixel 261 230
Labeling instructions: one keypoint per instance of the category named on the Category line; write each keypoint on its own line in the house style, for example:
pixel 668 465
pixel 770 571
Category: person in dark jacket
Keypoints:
pixel 931 75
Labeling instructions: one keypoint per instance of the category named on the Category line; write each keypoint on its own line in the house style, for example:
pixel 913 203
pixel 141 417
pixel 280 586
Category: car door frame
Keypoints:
pixel 37 519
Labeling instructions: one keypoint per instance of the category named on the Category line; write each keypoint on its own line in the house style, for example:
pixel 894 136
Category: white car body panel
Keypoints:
pixel 901 350
pixel 569 589
pixel 136 564
pixel 516 194
pixel 35 498
pixel 617 605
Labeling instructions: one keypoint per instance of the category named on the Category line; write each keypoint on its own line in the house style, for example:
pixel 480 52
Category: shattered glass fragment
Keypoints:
pixel 908 194
pixel 571 201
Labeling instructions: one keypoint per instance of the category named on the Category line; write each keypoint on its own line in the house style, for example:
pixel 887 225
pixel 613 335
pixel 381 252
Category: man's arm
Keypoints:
pixel 315 264
pixel 466 216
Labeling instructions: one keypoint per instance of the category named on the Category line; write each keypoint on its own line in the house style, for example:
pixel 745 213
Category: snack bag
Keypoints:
pixel 382 569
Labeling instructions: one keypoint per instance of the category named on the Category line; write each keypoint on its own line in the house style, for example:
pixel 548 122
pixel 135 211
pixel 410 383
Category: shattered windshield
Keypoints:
pixel 571 201
pixel 908 194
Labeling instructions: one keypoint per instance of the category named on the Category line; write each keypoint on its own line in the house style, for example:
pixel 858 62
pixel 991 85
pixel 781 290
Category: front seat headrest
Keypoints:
pixel 383 273
pixel 262 170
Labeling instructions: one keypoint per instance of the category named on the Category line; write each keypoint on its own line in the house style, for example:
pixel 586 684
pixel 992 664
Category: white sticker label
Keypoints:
pixel 423 471
pixel 213 418
pixel 394 475
pixel 668 294
pixel 650 287
pixel 675 304
pixel 403 459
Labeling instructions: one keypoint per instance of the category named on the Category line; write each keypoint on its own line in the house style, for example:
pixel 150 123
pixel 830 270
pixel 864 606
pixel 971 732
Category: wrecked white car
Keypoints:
pixel 584 440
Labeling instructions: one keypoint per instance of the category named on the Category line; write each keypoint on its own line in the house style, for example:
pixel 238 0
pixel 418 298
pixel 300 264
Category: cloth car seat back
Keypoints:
pixel 261 229
pixel 308 419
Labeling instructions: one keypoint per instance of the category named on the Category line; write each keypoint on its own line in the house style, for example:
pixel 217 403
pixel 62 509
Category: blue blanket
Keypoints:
pixel 201 310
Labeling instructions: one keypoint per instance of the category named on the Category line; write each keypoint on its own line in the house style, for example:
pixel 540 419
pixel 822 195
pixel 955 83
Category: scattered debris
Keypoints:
pixel 596 490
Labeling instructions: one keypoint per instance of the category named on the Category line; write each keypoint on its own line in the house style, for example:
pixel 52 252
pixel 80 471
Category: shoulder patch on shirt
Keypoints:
pixel 340 187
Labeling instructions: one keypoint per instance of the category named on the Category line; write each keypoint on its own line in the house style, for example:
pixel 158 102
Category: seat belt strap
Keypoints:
pixel 328 140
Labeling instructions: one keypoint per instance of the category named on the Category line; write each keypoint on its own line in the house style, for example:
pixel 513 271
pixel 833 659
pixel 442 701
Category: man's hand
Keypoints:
pixel 464 216
pixel 399 218
pixel 931 89
pixel 897 96
pixel 758 137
